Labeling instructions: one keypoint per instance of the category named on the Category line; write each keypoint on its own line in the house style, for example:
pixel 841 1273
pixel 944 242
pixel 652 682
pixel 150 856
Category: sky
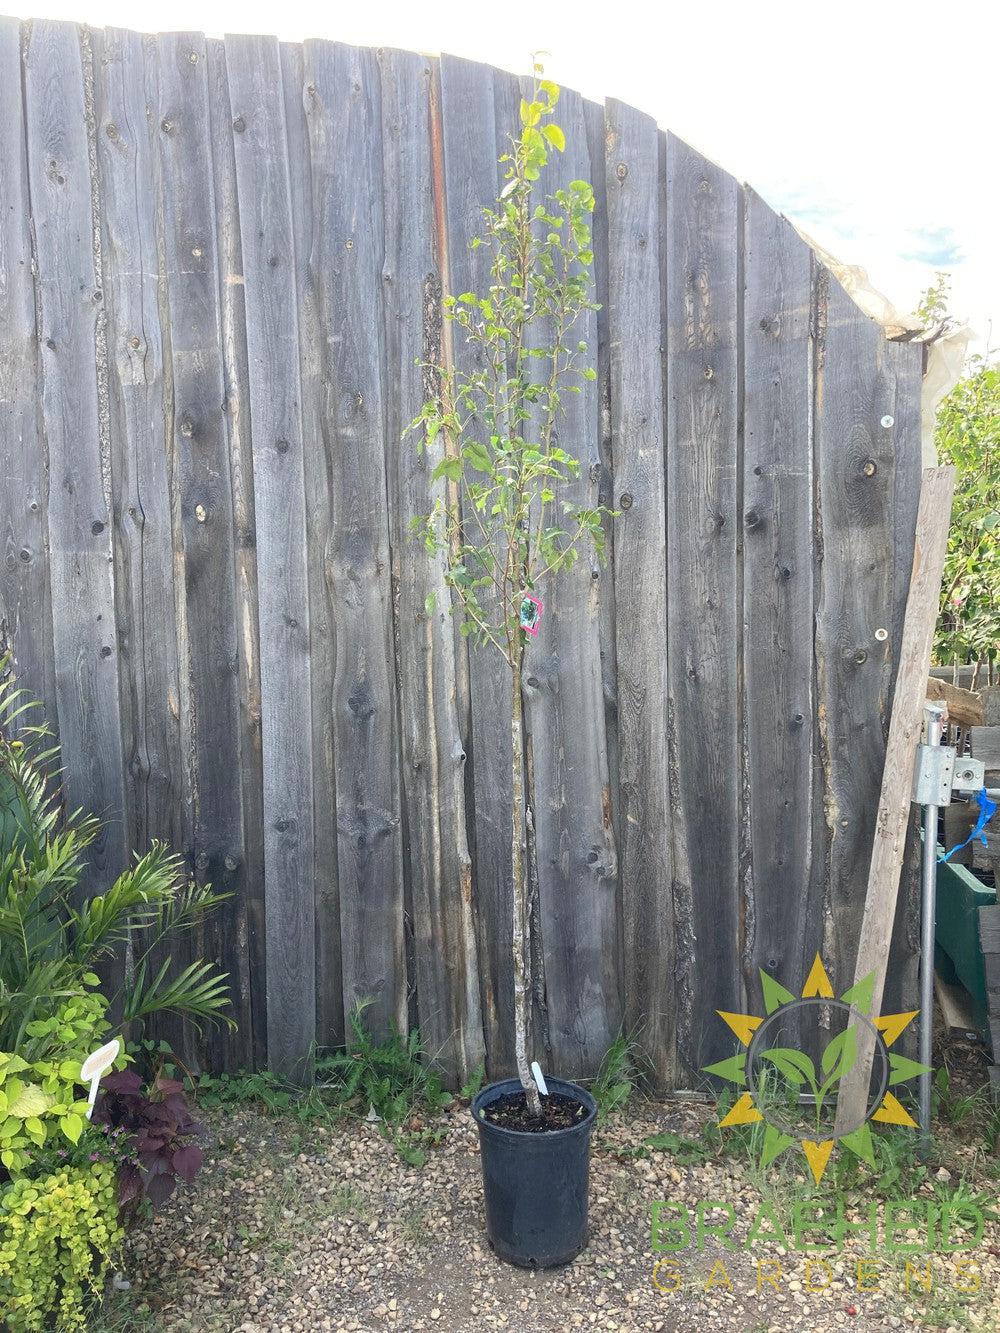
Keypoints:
pixel 871 125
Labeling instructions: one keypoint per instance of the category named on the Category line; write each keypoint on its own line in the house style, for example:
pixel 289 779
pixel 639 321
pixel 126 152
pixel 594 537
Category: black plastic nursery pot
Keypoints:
pixel 536 1184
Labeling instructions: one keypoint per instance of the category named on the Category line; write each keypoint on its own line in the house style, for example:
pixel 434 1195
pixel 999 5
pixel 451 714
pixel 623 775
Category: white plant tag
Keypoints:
pixel 539 1078
pixel 97 1064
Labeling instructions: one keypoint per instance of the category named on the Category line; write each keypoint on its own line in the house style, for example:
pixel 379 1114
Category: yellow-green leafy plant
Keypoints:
pixel 39 1102
pixel 58 1239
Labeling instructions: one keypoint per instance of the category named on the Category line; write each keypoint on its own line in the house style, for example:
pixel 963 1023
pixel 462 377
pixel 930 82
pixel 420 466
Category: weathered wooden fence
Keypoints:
pixel 221 262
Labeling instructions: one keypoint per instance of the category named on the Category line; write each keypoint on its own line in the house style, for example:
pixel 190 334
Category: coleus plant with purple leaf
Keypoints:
pixel 155 1142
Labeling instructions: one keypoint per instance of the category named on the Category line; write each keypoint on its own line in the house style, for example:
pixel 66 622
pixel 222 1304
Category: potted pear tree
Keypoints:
pixel 504 531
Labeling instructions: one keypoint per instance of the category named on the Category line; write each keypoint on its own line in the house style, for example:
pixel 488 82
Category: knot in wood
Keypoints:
pixel 870 467
pixel 626 501
pixel 186 427
pixel 752 519
pixel 860 657
pixel 231 863
pixel 360 701
pixel 621 171
pixel 167 125
pixel 97 527
pixel 282 446
pixel 239 125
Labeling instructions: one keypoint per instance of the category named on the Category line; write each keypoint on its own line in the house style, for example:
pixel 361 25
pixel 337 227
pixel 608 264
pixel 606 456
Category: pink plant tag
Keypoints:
pixel 531 613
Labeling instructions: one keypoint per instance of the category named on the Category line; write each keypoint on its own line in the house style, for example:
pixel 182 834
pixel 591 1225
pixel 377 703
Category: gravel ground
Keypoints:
pixel 292 1229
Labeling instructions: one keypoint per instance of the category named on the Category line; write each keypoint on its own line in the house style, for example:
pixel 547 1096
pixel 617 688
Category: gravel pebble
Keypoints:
pixel 291 1230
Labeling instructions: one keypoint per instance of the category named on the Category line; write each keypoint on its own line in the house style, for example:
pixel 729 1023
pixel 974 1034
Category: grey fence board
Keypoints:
pixel 236 376
pixel 346 268
pixel 79 502
pixel 26 616
pixel 784 923
pixel 855 457
pixel 265 211
pixel 564 700
pixel 200 434
pixel 596 138
pixel 329 973
pixel 141 466
pixel 703 348
pixel 219 307
pixel 638 445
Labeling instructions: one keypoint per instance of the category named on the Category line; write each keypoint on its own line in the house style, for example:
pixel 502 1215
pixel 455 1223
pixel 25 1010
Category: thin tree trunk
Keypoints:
pixel 522 985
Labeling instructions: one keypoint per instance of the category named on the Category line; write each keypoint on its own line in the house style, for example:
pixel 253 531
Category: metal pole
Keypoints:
pixel 933 714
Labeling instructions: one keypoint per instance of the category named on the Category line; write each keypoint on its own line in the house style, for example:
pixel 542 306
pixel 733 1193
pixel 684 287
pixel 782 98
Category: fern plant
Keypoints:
pixel 52 943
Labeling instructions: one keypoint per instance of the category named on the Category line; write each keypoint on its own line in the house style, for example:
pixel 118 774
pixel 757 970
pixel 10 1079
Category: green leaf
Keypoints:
pixel 30 1101
pixel 555 137
pixel 478 455
pixel 430 603
pixel 452 468
pixel 72 1126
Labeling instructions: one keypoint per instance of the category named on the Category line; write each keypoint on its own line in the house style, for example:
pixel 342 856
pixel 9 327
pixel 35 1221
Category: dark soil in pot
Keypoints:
pixel 511 1112
pixel 535 1171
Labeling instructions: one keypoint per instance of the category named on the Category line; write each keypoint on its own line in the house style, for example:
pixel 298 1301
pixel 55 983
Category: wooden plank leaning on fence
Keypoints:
pixel 894 804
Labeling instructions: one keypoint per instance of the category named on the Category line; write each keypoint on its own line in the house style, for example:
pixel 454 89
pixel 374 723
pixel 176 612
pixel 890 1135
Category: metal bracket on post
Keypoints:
pixel 933 772
pixel 939 773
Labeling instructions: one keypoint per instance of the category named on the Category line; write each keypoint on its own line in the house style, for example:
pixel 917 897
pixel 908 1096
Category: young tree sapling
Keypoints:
pixel 502 525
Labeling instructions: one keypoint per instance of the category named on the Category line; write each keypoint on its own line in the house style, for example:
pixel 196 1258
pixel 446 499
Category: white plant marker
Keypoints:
pixel 539 1078
pixel 97 1064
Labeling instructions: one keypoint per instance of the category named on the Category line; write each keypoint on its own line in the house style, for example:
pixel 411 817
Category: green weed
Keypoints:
pixel 618 1078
